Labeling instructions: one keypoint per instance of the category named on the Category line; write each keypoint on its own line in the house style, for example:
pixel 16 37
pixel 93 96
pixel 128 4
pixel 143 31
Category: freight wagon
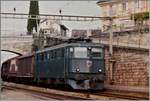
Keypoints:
pixel 20 68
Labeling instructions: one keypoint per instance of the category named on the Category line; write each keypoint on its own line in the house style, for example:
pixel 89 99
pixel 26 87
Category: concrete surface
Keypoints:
pixel 18 95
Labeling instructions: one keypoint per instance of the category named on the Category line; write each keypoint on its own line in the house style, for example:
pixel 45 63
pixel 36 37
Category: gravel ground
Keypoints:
pixel 18 95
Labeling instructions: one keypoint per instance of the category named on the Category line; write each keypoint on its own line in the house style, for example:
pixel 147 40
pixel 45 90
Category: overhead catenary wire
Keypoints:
pixel 52 17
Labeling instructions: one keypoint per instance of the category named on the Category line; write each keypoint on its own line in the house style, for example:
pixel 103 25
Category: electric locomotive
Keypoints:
pixel 79 64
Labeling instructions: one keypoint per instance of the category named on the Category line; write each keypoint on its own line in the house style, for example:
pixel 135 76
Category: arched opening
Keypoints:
pixel 7 54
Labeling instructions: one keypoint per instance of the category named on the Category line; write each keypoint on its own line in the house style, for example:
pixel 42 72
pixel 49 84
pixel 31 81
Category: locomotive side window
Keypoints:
pixel 45 56
pixel 52 55
pixel 48 55
pixel 62 53
pixel 37 57
pixel 42 56
pixel 55 53
pixel 58 53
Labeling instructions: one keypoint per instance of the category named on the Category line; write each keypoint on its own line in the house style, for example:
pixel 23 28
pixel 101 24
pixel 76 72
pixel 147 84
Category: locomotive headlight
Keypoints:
pixel 100 70
pixel 77 69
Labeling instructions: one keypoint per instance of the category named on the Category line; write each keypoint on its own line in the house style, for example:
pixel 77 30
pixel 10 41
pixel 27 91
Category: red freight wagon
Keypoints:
pixel 8 68
pixel 19 68
pixel 25 66
pixel 5 69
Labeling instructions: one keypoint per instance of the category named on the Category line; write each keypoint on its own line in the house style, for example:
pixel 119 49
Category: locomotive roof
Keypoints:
pixel 19 57
pixel 69 44
pixel 24 56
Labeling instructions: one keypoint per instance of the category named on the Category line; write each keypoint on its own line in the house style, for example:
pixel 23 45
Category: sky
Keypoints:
pixel 18 26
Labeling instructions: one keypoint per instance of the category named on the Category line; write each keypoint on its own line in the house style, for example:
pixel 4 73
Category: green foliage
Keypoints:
pixel 140 16
pixel 34 10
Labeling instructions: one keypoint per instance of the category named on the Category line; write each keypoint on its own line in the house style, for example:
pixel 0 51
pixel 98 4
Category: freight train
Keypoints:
pixel 79 64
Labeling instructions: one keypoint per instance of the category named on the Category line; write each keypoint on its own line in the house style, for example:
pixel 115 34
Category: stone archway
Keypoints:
pixel 12 52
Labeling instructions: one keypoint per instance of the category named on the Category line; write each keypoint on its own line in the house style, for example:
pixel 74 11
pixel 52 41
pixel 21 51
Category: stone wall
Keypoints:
pixel 20 44
pixel 133 38
pixel 125 39
pixel 130 67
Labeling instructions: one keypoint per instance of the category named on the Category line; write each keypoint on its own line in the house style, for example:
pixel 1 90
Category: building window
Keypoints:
pixel 45 31
pixel 110 10
pixel 46 23
pixel 124 6
pixel 137 3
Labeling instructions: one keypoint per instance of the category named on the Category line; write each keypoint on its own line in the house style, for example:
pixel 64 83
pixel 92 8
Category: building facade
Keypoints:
pixel 53 28
pixel 83 33
pixel 130 42
pixel 51 32
pixel 126 11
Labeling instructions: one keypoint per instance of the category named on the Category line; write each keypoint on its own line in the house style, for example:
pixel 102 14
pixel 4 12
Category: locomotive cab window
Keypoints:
pixel 80 52
pixel 96 52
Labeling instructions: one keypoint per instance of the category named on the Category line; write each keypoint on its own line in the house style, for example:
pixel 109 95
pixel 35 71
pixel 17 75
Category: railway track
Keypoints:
pixel 41 95
pixel 128 96
pixel 77 95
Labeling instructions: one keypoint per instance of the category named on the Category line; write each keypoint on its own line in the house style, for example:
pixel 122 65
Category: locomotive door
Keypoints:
pixel 66 62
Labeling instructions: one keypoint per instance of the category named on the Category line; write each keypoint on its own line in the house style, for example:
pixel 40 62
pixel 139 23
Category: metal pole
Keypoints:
pixel 111 51
pixel 111 38
pixel 110 33
pixel 149 38
pixel 110 46
pixel 36 42
pixel 37 25
pixel 38 36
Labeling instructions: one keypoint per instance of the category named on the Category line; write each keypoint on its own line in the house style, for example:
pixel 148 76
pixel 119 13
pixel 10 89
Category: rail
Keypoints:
pixel 106 95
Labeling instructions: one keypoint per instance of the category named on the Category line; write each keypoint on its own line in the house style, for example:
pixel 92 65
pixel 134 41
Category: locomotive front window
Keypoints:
pixel 80 52
pixel 96 52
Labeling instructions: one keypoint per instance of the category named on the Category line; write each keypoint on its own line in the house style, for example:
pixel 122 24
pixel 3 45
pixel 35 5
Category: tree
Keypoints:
pixel 32 23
